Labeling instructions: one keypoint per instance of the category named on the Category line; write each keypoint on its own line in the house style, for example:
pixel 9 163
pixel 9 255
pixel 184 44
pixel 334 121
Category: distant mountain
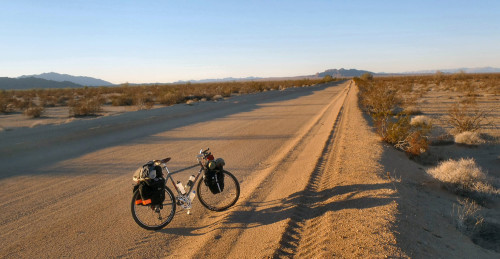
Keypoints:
pixel 227 79
pixel 80 80
pixel 343 72
pixel 7 83
pixel 476 70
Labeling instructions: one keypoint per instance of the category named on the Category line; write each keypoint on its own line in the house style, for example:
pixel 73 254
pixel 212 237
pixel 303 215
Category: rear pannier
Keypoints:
pixel 150 183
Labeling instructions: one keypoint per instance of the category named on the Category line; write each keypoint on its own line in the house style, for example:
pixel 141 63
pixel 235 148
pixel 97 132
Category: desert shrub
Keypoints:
pixel 411 110
pixel 122 100
pixel 34 111
pixel 464 177
pixel 420 120
pixel 224 90
pixel 366 77
pixel 463 118
pixel 414 144
pixel 22 103
pixel 5 102
pixel 467 218
pixel 143 99
pixel 379 99
pixel 382 100
pixel 48 100
pixel 87 105
pixel 469 138
pixel 413 139
pixel 397 131
pixel 171 98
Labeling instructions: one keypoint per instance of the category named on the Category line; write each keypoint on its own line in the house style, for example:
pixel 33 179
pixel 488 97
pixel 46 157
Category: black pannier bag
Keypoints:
pixel 150 183
pixel 153 189
pixel 214 180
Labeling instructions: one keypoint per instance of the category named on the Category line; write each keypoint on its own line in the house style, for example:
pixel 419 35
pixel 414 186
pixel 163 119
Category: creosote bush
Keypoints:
pixel 413 139
pixel 464 118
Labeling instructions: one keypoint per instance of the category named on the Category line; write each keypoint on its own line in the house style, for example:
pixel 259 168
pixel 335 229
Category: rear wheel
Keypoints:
pixel 154 217
pixel 223 200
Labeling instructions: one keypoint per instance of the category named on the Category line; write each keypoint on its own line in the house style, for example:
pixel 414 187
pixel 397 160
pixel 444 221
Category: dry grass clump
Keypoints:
pixel 469 138
pixel 420 120
pixel 464 177
pixel 469 220
pixel 467 217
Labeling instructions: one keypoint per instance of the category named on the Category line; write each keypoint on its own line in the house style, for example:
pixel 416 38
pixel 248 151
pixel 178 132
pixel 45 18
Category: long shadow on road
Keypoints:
pixel 315 203
pixel 312 204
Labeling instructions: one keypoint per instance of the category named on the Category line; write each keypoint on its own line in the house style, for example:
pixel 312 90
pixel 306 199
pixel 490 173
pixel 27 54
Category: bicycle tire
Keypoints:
pixel 147 217
pixel 223 200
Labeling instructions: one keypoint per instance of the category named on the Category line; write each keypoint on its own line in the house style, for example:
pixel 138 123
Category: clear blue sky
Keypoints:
pixel 142 41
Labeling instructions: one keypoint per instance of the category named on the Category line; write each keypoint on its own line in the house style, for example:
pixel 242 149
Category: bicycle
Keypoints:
pixel 157 216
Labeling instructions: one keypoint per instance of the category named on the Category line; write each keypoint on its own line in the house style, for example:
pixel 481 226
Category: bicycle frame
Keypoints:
pixel 184 198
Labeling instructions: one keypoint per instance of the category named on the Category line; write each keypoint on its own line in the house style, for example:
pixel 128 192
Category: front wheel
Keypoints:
pixel 154 217
pixel 222 200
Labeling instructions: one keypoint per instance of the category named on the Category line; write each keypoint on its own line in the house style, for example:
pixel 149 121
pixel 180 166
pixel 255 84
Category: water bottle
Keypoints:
pixel 180 187
pixel 192 195
pixel 190 182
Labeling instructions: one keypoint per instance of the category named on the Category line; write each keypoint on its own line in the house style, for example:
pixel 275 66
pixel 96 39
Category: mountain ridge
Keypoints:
pixel 7 83
pixel 56 80
pixel 471 70
pixel 80 80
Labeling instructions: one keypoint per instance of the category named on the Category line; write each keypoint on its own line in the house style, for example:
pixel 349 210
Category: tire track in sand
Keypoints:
pixel 347 208
pixel 305 228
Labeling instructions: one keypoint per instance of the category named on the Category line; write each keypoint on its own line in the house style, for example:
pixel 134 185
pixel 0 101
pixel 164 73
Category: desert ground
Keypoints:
pixel 316 182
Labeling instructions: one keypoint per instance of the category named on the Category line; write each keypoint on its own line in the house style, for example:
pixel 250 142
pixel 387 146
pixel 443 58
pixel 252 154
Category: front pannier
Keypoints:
pixel 214 180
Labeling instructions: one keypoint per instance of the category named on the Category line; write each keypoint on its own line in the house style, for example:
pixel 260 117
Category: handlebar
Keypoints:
pixel 204 154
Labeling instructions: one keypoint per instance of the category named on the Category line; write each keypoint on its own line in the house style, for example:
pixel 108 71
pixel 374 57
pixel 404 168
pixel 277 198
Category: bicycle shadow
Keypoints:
pixel 305 205
pixel 299 206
